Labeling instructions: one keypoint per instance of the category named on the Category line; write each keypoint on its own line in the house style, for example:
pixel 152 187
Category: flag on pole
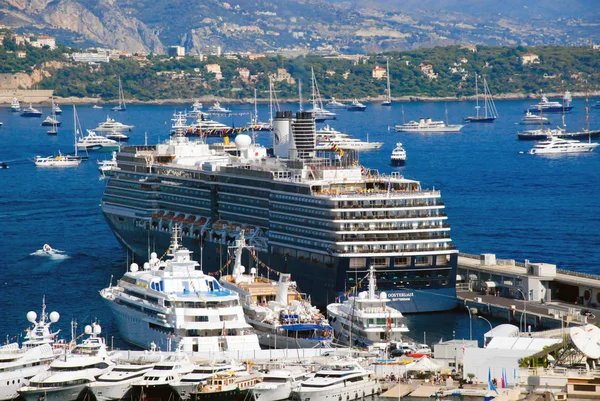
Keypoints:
pixel 504 378
pixel 490 383
pixel 502 382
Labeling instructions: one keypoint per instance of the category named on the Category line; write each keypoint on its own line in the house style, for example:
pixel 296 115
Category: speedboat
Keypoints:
pixel 427 125
pixel 14 105
pixel 548 106
pixel 278 384
pixel 398 157
pixel 69 375
pixel 334 104
pixel 281 315
pixel 96 106
pixel 115 384
pixel 217 108
pixel 327 137
pixel 111 125
pixel 50 121
pixel 340 380
pixel 31 112
pixel 19 364
pixel 57 161
pixel 117 136
pixel 356 106
pixel 555 145
pixel 533 119
pixel 92 141
pixel 366 320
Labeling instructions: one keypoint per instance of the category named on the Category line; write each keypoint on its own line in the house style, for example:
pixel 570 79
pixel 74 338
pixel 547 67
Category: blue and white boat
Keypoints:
pixel 548 106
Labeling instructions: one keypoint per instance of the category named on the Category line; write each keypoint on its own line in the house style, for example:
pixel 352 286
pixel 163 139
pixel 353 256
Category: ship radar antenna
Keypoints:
pixel 371 282
pixel 175 238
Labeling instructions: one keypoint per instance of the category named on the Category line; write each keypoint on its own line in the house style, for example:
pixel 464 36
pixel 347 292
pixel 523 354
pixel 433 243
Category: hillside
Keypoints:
pixel 303 25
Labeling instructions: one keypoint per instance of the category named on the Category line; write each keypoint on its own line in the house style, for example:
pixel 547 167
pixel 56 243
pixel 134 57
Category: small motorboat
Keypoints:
pixel 47 248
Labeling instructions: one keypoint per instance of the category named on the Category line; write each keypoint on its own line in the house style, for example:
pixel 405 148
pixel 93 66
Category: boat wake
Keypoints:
pixel 49 252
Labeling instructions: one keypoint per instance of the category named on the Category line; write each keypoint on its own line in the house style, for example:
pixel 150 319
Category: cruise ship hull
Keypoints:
pixel 140 242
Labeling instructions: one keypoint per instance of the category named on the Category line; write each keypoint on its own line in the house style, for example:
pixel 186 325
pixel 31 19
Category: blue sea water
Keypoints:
pixel 497 199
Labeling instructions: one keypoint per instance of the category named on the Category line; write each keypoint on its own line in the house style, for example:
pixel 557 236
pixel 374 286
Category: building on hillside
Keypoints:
pixel 214 69
pixel 21 54
pixel 176 51
pixel 244 73
pixel 90 58
pixel 427 70
pixel 378 72
pixel 44 40
pixel 283 75
pixel 530 58
pixel 471 48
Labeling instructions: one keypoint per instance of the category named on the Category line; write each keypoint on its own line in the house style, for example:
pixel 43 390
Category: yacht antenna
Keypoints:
pixel 300 93
pixel 271 102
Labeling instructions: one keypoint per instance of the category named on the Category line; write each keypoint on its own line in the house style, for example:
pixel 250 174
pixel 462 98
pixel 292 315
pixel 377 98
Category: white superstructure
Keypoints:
pixel 282 317
pixel 345 380
pixel 278 384
pixel 172 304
pixel 217 108
pixel 398 157
pixel 428 125
pixel 531 119
pixel 328 136
pixel 70 374
pixel 555 145
pixel 111 125
pixel 201 373
pixel 57 161
pixel 366 319
pixel 93 141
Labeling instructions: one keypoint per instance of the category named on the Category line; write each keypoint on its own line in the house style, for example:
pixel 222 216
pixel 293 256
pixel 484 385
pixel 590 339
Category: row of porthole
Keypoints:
pixel 13 382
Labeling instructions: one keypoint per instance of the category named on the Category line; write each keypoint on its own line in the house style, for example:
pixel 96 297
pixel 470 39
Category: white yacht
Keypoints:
pixel 549 106
pixel 15 105
pixel 427 125
pixel 398 157
pixel 533 119
pixel 217 108
pixel 328 136
pixel 51 121
pixel 201 373
pixel 92 141
pixel 196 111
pixel 203 125
pixel 115 384
pixel 108 165
pixel 356 106
pixel 111 125
pixel 555 145
pixel 30 112
pixel 279 384
pixel 282 316
pixel 319 112
pixel 341 380
pixel 56 109
pixel 365 319
pixel 57 161
pixel 334 104
pixel 170 303
pixel 19 364
pixel 157 382
pixel 69 374
pixel 117 136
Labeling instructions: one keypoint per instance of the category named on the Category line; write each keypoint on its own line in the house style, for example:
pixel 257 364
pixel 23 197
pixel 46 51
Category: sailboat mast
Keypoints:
pixel 476 97
pixel 271 102
pixel 75 129
pixel 313 84
pixel 300 94
pixel 387 67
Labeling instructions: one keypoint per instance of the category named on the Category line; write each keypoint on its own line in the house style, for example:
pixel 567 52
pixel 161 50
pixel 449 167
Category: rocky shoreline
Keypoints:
pixel 402 99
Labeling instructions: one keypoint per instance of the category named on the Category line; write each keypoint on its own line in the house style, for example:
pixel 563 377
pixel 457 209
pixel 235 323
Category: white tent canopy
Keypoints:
pixel 503 330
pixel 425 364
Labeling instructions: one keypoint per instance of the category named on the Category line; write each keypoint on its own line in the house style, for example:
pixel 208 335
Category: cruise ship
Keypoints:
pixel 312 214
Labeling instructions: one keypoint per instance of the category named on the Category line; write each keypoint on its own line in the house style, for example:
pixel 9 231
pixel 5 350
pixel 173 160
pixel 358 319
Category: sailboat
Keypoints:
pixel 121 106
pixel 319 112
pixel 489 108
pixel 388 93
pixel 255 124
pixel 63 160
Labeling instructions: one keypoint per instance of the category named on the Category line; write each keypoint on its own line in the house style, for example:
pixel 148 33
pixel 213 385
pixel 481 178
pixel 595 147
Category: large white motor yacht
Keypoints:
pixel 156 383
pixel 282 316
pixel 217 108
pixel 170 303
pixel 328 136
pixel 111 125
pixel 555 145
pixel 533 119
pixel 398 157
pixel 366 319
pixel 92 141
pixel 19 364
pixel 427 125
pixel 70 374
pixel 114 385
pixel 341 380
pixel 335 104
pixel 279 384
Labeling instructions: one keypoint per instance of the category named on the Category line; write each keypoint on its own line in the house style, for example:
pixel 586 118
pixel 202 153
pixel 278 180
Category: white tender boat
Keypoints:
pixel 327 137
pixel 111 125
pixel 366 320
pixel 555 145
pixel 57 161
pixel 117 136
pixel 398 157
pixel 342 380
pixel 282 316
pixel 335 104
pixel 69 375
pixel 356 106
pixel 188 309
pixel 92 141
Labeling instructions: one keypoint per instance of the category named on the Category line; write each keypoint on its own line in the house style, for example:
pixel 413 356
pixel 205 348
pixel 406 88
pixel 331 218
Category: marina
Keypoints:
pixel 470 234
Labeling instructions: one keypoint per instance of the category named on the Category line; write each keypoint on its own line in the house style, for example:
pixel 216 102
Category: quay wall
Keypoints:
pixel 25 95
